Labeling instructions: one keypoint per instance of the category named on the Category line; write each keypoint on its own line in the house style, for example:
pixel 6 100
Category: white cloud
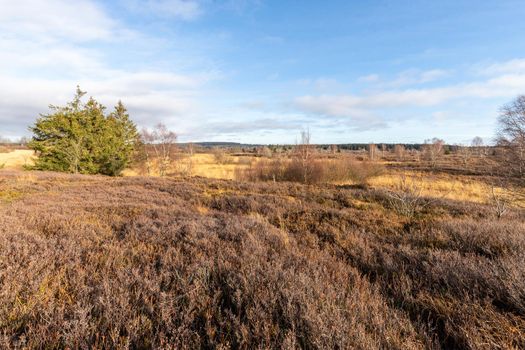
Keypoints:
pixel 371 78
pixel 51 20
pixel 182 9
pixel 408 77
pixel 48 47
pixel 366 107
pixel 509 67
pixel 341 105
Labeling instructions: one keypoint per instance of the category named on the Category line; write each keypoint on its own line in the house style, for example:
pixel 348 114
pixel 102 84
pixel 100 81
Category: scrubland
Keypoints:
pixel 144 262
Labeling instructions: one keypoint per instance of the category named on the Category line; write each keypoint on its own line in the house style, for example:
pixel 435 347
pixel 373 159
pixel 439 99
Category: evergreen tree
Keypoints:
pixel 81 138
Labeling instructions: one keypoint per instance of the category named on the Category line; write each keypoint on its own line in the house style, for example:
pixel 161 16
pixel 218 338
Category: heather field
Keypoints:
pixel 136 262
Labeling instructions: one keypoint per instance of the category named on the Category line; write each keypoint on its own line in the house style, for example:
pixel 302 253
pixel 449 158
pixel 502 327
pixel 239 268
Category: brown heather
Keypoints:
pixel 95 262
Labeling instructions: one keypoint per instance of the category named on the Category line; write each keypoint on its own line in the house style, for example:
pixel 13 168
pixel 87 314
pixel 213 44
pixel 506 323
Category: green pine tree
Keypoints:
pixel 81 138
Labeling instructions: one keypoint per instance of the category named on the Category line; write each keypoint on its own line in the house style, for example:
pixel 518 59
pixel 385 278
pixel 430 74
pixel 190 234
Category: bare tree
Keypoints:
pixel 465 154
pixel 511 136
pixel 478 146
pixel 4 139
pixel 384 148
pixel 433 150
pixel 477 142
pixel 372 151
pixel 304 152
pixel 190 148
pixel 264 151
pixel 219 154
pixel 163 143
pixel 399 151
pixel 24 140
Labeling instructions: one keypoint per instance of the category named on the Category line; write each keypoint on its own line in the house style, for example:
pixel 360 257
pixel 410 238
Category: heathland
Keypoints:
pixel 404 254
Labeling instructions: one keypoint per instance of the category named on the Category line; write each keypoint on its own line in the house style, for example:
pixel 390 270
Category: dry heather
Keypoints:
pixel 94 262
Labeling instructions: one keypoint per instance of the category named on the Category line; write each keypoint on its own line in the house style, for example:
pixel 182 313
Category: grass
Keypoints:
pixel 96 262
pixel 456 187
pixel 16 159
pixel 460 188
pixel 204 165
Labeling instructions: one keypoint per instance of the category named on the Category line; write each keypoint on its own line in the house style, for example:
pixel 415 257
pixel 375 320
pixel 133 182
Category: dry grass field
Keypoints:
pixel 16 159
pixel 134 262
pixel 438 184
pixel 442 185
pixel 205 165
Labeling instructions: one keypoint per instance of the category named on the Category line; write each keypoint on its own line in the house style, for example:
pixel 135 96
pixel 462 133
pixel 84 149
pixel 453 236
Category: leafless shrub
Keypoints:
pixel 219 155
pixel 264 151
pixel 304 157
pixel 348 169
pixel 407 196
pixel 163 143
pixel 465 154
pixel 433 150
pixel 337 170
pixel 372 151
pixel 499 201
pixel 399 151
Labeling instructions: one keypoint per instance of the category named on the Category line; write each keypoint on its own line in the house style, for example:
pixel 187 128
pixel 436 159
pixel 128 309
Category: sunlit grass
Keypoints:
pixel 440 185
pixel 16 159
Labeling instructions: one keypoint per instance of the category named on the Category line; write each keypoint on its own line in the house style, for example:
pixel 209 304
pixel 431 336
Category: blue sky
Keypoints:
pixel 259 71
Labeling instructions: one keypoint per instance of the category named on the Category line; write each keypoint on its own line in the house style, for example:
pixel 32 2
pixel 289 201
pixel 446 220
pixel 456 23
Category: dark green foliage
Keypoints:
pixel 82 138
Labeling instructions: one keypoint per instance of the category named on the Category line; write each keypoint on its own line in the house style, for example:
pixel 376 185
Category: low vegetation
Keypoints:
pixel 315 171
pixel 95 262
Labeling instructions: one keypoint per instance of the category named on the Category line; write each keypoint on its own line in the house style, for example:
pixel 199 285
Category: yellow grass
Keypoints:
pixel 16 159
pixel 202 164
pixel 205 165
pixel 442 185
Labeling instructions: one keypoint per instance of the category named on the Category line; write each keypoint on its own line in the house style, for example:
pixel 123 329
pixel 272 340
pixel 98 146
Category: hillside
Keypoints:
pixel 198 263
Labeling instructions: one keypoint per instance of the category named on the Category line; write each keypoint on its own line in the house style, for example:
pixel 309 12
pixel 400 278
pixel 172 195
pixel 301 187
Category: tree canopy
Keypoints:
pixel 511 135
pixel 82 138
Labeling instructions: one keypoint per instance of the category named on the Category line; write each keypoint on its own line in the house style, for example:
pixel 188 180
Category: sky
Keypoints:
pixel 260 71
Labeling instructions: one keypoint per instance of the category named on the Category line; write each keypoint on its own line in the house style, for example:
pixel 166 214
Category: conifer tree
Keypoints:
pixel 81 138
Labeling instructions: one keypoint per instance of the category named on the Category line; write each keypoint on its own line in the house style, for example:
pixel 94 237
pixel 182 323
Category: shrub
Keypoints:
pixel 220 155
pixel 317 171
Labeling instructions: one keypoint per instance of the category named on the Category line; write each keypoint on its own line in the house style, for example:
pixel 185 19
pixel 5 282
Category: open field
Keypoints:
pixel 439 184
pixel 98 262
pixel 205 165
pixel 16 159
pixel 442 185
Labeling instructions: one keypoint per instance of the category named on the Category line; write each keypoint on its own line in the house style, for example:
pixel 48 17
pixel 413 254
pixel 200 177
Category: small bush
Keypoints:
pixel 220 155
